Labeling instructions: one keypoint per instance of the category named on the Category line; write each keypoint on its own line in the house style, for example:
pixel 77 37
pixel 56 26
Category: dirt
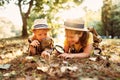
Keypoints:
pixel 24 67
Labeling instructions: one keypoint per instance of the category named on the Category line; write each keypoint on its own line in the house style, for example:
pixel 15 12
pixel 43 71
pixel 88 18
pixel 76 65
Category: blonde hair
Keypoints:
pixel 83 40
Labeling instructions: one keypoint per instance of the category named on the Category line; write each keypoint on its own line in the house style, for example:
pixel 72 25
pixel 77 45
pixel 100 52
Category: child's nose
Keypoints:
pixel 43 36
pixel 71 40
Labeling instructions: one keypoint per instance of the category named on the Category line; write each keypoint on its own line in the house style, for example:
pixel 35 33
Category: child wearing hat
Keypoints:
pixel 40 43
pixel 78 40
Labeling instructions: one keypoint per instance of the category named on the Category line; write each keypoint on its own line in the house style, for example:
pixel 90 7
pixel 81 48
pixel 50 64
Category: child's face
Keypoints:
pixel 73 37
pixel 40 34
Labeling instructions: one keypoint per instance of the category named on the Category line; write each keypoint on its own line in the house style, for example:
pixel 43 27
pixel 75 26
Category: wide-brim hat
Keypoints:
pixel 75 24
pixel 40 24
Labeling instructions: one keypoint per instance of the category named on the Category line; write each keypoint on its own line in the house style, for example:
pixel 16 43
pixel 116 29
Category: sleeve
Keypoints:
pixel 30 38
pixel 90 39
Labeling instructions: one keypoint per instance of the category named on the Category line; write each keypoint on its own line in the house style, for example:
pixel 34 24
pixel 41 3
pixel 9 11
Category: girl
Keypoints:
pixel 78 42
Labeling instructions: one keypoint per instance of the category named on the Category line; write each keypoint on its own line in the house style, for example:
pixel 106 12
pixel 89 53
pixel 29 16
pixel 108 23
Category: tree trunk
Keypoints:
pixel 25 17
pixel 106 34
pixel 24 28
pixel 112 36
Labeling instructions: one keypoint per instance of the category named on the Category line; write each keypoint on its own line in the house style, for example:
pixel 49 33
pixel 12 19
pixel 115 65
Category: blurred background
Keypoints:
pixel 17 16
pixel 16 20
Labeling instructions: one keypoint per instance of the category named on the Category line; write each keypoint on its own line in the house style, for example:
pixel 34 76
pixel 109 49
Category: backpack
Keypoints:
pixel 96 37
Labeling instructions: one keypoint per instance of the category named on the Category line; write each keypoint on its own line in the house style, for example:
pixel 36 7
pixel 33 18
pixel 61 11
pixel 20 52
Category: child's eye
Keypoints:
pixel 69 36
pixel 40 34
pixel 45 34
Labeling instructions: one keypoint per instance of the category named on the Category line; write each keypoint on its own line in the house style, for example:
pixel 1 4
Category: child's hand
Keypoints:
pixel 45 55
pixel 66 56
pixel 35 43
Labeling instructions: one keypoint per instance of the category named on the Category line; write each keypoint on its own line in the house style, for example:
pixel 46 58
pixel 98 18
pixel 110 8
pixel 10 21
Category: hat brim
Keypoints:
pixel 84 29
pixel 41 28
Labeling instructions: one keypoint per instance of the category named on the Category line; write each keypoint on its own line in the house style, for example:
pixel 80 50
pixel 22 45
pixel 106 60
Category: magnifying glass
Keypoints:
pixel 59 49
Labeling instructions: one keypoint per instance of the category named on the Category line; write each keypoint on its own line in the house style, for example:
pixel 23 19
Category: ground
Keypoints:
pixel 16 64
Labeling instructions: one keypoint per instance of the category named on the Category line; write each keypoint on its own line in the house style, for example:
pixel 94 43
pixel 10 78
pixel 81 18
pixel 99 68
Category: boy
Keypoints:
pixel 40 43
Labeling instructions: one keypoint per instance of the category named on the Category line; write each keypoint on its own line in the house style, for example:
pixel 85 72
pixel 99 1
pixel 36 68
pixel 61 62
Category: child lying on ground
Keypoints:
pixel 40 43
pixel 78 41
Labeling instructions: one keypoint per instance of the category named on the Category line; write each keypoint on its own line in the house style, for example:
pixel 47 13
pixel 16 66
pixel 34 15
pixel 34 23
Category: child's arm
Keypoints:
pixel 45 54
pixel 32 47
pixel 32 50
pixel 86 53
pixel 66 48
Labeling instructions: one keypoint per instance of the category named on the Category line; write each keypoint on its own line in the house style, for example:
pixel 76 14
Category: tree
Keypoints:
pixel 111 18
pixel 53 7
pixel 37 5
pixel 25 15
pixel 106 15
pixel 115 21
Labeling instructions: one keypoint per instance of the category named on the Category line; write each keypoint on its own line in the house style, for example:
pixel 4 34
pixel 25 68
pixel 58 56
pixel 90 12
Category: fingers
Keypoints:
pixel 45 55
pixel 35 43
pixel 63 56
pixel 66 56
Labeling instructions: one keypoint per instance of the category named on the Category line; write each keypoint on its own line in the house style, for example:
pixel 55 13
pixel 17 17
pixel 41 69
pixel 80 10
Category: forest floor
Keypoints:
pixel 16 64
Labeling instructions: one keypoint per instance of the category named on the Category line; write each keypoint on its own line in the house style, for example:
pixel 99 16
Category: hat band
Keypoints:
pixel 74 25
pixel 41 26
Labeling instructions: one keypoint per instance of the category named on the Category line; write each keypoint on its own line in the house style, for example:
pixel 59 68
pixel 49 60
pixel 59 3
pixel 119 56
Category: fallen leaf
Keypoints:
pixel 93 58
pixel 5 66
pixel 43 68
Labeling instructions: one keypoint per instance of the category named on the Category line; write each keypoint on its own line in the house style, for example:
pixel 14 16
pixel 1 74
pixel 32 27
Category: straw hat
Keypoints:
pixel 75 24
pixel 40 24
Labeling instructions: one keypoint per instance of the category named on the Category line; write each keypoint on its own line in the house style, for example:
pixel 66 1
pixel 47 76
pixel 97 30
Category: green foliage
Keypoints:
pixel 49 8
pixel 30 21
pixel 43 9
pixel 7 28
pixel 106 11
pixel 1 2
pixel 78 2
pixel 115 21
pixel 98 26
pixel 111 18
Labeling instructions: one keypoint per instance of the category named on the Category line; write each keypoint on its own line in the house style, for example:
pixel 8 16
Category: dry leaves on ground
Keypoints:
pixel 24 67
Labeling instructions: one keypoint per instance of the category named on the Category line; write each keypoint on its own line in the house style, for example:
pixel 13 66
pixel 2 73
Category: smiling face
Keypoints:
pixel 40 33
pixel 73 36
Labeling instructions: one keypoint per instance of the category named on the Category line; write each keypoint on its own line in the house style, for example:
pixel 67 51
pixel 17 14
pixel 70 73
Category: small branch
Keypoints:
pixel 30 6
